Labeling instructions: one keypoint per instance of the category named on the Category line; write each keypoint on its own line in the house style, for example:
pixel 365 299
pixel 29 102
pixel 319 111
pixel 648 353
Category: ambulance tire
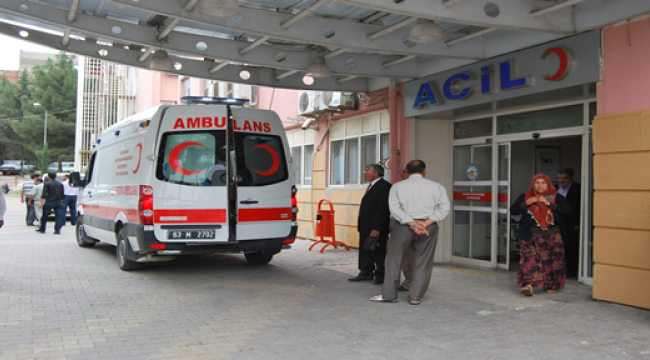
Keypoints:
pixel 122 249
pixel 82 239
pixel 257 258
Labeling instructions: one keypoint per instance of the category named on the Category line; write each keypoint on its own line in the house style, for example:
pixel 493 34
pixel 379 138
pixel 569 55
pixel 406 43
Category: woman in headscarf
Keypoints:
pixel 541 261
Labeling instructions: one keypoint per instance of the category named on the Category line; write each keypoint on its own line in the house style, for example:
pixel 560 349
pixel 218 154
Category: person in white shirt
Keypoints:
pixel 417 205
pixel 35 195
pixel 70 195
pixel 3 208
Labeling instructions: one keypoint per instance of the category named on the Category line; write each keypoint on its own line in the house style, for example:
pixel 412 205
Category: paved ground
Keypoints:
pixel 61 301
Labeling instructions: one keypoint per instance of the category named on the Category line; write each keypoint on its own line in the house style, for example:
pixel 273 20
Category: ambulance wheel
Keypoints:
pixel 123 248
pixel 82 239
pixel 257 258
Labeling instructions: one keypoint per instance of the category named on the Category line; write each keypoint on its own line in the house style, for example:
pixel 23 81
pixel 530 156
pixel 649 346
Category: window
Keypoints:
pixel 193 158
pixel 336 163
pixel 260 159
pixel 349 157
pixel 308 158
pixel 296 153
pixel 352 169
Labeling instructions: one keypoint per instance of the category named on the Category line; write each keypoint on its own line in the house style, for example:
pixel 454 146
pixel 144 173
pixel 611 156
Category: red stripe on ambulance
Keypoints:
pixel 265 214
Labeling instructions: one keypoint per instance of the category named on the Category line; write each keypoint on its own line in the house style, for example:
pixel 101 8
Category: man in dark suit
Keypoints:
pixel 374 221
pixel 571 191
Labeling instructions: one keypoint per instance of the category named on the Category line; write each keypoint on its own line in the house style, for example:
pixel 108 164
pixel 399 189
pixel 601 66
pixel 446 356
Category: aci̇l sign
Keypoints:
pixel 456 86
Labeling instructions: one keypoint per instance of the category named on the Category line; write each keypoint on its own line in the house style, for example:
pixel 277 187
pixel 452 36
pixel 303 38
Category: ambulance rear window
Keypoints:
pixel 193 158
pixel 260 159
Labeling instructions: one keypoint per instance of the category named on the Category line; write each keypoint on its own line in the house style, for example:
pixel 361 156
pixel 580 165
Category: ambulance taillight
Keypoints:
pixel 294 203
pixel 145 205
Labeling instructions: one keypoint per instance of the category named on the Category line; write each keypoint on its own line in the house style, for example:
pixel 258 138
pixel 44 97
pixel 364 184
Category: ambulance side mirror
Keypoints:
pixel 75 180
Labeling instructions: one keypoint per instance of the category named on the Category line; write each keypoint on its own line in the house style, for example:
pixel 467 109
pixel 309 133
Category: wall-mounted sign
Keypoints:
pixel 471 173
pixel 563 63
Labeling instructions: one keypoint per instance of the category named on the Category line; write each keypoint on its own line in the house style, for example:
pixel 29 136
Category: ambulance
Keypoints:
pixel 212 177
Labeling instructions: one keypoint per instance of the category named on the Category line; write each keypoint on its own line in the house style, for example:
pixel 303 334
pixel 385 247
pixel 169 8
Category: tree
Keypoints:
pixel 54 87
pixel 12 145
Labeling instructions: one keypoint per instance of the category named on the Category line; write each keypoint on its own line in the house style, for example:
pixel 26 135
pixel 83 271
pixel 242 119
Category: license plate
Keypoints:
pixel 191 234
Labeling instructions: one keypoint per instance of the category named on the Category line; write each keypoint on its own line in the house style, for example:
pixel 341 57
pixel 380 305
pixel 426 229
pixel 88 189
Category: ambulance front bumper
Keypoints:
pixel 148 243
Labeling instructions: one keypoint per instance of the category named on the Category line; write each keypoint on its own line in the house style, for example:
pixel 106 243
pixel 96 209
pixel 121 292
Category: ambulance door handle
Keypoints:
pixel 249 202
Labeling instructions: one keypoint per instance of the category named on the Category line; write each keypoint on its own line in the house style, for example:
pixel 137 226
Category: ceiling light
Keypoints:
pixel 318 69
pixel 219 8
pixel 161 62
pixel 425 31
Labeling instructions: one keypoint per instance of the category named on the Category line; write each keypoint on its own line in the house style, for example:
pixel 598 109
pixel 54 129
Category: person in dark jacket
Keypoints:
pixel 541 262
pixel 374 221
pixel 572 192
pixel 52 199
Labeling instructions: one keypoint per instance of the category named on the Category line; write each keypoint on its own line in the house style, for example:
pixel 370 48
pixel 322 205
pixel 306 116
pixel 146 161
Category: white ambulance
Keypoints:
pixel 190 179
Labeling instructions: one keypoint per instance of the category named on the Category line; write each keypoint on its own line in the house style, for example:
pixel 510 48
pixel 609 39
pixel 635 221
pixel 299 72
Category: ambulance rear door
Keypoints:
pixel 264 181
pixel 192 184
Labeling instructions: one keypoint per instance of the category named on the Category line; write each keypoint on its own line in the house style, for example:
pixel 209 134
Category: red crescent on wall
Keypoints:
pixel 139 146
pixel 564 63
pixel 174 162
pixel 276 160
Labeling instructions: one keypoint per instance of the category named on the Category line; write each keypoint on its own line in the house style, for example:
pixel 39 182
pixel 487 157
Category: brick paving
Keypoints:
pixel 59 301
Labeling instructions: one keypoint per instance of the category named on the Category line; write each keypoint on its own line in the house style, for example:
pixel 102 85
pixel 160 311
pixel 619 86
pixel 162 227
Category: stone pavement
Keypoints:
pixel 59 301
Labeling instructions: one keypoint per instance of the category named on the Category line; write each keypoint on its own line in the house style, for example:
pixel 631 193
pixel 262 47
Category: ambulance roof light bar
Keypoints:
pixel 209 100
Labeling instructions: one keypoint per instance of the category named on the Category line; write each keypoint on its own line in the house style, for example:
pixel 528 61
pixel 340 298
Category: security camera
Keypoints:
pixel 306 124
pixel 535 136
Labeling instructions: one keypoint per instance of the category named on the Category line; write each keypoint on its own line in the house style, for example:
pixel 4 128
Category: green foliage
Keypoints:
pixel 54 86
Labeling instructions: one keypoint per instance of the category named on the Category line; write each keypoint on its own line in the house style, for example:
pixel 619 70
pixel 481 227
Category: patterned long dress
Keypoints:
pixel 542 263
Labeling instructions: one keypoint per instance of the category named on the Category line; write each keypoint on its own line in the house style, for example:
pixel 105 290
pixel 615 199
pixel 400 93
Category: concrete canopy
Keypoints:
pixel 364 42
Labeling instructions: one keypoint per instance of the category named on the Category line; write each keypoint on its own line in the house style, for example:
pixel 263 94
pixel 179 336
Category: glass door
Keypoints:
pixel 472 198
pixel 506 246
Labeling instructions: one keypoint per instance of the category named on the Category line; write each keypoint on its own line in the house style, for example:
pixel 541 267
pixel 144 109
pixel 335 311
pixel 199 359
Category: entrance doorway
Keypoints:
pixel 547 156
pixel 494 160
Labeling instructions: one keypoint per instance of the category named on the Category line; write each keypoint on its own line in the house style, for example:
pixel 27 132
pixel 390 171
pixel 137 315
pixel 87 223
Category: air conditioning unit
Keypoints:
pixel 306 103
pixel 323 99
pixel 337 100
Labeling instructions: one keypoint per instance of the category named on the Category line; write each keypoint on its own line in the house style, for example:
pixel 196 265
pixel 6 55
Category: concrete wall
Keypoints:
pixel 155 88
pixel 282 101
pixel 622 152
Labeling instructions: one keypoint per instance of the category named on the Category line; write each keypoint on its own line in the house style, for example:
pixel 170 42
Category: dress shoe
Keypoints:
pixel 57 233
pixel 40 231
pixel 402 288
pixel 360 278
pixel 378 281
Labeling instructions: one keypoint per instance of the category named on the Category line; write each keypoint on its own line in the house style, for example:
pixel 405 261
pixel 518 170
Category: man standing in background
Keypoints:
pixel 70 195
pixel 374 221
pixel 418 205
pixel 35 196
pixel 3 209
pixel 571 191
pixel 52 200
pixel 24 198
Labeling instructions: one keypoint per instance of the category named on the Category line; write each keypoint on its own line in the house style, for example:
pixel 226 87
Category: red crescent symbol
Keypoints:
pixel 174 162
pixel 139 146
pixel 564 63
pixel 276 160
